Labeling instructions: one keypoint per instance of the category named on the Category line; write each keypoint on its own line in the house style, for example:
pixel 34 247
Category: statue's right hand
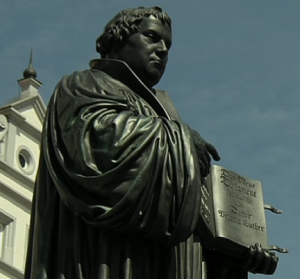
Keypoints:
pixel 259 260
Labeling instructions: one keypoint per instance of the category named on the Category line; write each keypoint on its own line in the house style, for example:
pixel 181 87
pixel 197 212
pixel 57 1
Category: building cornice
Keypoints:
pixel 40 108
pixel 13 115
pixel 16 176
pixel 19 198
pixel 30 81
pixel 12 271
pixel 36 101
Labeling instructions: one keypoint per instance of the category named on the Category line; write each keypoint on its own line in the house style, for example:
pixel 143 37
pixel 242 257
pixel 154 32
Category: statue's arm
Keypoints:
pixel 125 171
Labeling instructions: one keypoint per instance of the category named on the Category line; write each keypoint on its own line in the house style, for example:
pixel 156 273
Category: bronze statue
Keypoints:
pixel 118 189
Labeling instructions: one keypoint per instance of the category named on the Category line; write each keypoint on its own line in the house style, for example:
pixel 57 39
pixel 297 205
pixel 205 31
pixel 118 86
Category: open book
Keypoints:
pixel 232 212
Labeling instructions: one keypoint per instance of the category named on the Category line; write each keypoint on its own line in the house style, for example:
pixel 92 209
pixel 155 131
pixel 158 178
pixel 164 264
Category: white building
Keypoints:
pixel 20 132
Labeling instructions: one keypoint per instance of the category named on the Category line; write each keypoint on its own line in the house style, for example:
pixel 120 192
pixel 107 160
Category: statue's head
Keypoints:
pixel 123 25
pixel 141 37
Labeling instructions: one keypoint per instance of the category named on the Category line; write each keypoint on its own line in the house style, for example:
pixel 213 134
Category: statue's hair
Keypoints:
pixel 123 25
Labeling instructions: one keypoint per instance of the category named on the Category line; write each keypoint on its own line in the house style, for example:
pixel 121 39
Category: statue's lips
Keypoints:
pixel 156 61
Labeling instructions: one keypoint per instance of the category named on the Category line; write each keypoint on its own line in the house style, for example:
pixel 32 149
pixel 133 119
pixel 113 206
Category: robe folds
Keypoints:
pixel 117 193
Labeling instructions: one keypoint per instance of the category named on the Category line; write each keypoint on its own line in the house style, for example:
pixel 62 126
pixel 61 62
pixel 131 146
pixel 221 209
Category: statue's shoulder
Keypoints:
pixel 88 83
pixel 85 78
pixel 85 74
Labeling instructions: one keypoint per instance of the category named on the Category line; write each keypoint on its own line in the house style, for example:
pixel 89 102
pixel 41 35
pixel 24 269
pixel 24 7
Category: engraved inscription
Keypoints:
pixel 238 186
pixel 229 217
pixel 253 226
pixel 243 195
pixel 237 220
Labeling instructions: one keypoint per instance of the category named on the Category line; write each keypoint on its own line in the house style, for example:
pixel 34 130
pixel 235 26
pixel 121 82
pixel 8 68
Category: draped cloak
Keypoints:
pixel 117 193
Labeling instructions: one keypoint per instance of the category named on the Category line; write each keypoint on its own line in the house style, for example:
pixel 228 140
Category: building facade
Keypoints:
pixel 20 133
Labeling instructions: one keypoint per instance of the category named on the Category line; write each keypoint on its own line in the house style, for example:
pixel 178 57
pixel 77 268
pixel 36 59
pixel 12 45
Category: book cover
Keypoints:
pixel 232 212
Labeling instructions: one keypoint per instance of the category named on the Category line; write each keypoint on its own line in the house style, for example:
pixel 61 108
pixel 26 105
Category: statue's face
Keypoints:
pixel 146 52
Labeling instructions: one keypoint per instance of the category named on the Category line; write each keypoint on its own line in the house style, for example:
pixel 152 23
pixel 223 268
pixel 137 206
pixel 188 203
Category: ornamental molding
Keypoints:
pixel 14 116
pixel 16 176
pixel 36 102
pixel 10 270
pixel 15 196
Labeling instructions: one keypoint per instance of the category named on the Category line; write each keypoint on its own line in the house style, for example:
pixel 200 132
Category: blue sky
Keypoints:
pixel 233 73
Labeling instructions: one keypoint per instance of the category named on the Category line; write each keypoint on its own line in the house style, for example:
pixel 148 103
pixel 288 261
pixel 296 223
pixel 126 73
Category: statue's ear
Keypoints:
pixel 98 47
pixel 114 53
pixel 110 55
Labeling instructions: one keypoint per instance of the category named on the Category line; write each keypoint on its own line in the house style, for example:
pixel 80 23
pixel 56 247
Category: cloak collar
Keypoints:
pixel 120 71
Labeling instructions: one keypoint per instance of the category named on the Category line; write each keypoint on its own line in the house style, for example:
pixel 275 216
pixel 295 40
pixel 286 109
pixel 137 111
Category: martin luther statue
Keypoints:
pixel 117 194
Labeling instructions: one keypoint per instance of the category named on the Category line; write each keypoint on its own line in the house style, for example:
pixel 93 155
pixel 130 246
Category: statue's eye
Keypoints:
pixel 153 36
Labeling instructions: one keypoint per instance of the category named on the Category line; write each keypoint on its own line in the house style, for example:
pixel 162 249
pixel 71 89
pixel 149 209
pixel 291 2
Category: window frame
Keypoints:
pixel 8 237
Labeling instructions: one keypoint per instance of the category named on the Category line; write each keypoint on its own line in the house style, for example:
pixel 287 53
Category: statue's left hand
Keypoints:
pixel 205 151
pixel 259 260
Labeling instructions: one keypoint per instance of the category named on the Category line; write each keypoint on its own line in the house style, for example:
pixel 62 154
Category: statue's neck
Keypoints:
pixel 120 70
